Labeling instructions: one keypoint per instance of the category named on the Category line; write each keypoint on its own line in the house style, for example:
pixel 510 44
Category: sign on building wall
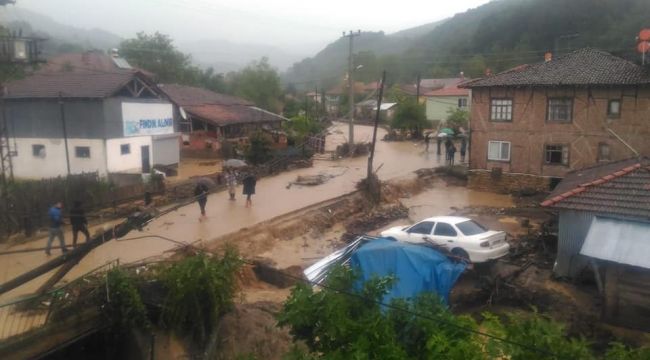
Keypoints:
pixel 147 119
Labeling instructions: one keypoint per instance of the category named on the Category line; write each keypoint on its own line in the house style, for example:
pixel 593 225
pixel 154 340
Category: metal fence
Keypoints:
pixel 20 317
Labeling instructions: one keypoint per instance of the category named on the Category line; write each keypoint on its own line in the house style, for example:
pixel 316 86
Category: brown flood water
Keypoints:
pixel 272 199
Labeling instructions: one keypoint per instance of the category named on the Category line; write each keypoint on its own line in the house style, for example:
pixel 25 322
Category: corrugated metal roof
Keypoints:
pixel 620 241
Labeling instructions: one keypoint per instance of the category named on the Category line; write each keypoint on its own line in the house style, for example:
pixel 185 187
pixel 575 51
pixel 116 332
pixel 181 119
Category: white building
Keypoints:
pixel 113 121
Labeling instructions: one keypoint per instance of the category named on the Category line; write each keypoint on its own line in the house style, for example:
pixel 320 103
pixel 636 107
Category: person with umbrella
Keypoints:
pixel 249 183
pixel 201 196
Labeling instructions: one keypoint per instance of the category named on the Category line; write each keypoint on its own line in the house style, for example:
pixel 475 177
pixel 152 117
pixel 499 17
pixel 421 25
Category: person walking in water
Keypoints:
pixel 79 222
pixel 201 195
pixel 231 182
pixel 56 224
pixel 451 152
pixel 427 140
pixel 249 183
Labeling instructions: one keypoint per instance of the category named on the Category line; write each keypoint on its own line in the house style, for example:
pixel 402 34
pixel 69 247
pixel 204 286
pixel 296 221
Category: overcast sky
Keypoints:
pixel 296 25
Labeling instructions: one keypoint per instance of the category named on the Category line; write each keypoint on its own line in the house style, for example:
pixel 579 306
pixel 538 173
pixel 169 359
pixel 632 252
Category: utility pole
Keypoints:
pixel 65 132
pixel 6 166
pixel 351 35
pixel 372 181
pixel 417 90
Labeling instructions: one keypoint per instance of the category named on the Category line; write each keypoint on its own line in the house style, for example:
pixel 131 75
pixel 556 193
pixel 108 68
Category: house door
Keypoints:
pixel 146 164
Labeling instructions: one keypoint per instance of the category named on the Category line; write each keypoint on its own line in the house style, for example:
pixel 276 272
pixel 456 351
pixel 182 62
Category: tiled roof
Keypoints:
pixel 69 85
pixel 620 188
pixel 448 91
pixel 584 67
pixel 184 96
pixel 222 115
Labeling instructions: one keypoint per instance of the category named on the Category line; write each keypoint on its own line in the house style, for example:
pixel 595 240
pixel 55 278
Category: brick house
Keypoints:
pixel 533 124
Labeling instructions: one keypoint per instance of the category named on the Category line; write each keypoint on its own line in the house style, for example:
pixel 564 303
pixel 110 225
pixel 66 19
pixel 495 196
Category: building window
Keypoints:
pixel 501 110
pixel 603 152
pixel 38 150
pixel 499 150
pixel 614 109
pixel 556 155
pixel 560 110
pixel 82 151
pixel 462 103
pixel 125 149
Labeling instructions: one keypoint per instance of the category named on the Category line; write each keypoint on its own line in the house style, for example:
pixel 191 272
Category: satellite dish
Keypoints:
pixel 183 113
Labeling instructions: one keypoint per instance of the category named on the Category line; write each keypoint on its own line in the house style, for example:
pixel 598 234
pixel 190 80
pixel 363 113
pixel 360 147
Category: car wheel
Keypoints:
pixel 461 254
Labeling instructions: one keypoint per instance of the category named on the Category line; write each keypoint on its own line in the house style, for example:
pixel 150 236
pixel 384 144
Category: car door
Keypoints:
pixel 420 232
pixel 444 234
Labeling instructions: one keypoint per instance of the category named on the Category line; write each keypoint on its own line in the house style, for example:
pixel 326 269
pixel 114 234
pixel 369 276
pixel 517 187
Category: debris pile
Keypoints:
pixel 359 149
pixel 375 219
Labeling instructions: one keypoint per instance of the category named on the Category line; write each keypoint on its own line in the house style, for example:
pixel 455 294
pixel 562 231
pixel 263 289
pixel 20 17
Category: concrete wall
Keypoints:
pixel 506 183
pixel 438 107
pixel 529 131
pixel 53 164
pixel 129 163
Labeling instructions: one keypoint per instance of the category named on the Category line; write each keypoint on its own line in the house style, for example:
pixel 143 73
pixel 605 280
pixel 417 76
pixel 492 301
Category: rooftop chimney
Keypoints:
pixel 548 56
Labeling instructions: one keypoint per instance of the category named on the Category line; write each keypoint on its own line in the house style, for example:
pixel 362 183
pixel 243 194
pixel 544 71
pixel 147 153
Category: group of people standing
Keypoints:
pixel 231 177
pixel 450 147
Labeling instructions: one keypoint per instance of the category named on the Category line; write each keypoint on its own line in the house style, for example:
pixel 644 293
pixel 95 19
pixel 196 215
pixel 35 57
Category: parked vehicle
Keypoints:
pixel 462 237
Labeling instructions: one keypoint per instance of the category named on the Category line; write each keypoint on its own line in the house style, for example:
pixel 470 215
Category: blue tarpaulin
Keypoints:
pixel 417 268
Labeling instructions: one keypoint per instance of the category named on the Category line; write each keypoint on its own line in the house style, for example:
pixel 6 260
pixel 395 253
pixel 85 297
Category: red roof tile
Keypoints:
pixel 222 115
pixel 184 96
pixel 620 188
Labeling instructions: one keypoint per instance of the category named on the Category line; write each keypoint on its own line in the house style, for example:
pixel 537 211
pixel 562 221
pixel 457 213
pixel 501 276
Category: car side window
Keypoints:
pixel 444 229
pixel 424 228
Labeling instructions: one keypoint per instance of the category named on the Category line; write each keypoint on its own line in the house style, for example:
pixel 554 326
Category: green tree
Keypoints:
pixel 344 320
pixel 410 116
pixel 259 83
pixel 259 150
pixel 156 53
pixel 457 118
pixel 200 289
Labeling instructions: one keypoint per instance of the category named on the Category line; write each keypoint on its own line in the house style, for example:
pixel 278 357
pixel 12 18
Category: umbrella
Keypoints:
pixel 234 163
pixel 447 131
pixel 209 183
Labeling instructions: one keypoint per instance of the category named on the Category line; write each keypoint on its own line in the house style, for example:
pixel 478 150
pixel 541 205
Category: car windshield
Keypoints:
pixel 471 227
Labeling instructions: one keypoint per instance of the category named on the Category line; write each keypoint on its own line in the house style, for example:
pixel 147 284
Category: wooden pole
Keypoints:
pixel 74 256
pixel 374 130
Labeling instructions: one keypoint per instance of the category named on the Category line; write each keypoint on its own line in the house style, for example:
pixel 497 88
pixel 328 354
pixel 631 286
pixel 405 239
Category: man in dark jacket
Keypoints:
pixel 249 183
pixel 201 195
pixel 79 222
pixel 56 224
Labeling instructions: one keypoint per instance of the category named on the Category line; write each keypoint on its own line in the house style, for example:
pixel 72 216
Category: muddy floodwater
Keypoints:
pixel 273 198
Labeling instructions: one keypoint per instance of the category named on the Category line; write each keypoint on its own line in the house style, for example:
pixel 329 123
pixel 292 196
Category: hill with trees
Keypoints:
pixel 497 35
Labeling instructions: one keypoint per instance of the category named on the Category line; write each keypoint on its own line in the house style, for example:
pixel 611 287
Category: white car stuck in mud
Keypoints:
pixel 462 237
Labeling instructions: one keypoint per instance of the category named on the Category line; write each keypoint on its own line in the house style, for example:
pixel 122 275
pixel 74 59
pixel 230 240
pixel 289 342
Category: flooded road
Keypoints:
pixel 272 198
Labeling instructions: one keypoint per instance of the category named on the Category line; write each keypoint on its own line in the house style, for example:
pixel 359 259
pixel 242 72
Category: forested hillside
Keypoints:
pixel 498 35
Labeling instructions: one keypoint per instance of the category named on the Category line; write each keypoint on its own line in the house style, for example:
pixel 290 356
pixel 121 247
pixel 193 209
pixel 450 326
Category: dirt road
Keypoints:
pixel 273 198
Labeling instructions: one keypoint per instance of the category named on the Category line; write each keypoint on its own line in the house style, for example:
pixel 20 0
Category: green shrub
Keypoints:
pixel 124 307
pixel 200 289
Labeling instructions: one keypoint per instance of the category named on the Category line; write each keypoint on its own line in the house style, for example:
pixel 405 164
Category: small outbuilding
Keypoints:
pixel 604 228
